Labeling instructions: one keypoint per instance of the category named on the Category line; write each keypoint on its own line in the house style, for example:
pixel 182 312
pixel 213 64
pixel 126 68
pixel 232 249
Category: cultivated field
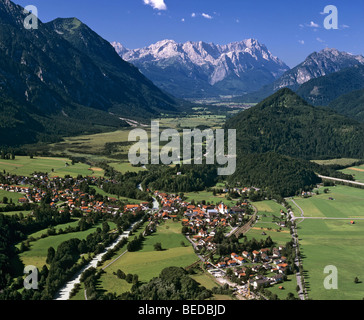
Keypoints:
pixel 37 254
pixel 357 172
pixel 266 211
pixel 347 203
pixel 191 122
pixel 336 242
pixel 148 263
pixel 25 166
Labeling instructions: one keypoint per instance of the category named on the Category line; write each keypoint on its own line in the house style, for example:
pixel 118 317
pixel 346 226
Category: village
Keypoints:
pixel 200 222
pixel 72 197
pixel 242 271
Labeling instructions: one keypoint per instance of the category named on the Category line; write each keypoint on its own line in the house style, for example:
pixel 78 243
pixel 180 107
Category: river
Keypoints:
pixel 64 293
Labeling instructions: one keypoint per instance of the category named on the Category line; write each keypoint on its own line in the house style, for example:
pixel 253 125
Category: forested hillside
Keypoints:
pixel 284 123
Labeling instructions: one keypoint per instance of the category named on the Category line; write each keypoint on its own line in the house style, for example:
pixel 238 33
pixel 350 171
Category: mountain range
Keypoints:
pixel 316 65
pixel 323 90
pixel 64 79
pixel 200 69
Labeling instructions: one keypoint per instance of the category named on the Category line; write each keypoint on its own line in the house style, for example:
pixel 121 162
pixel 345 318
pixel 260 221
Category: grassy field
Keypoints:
pixel 206 280
pixel 191 122
pixel 148 263
pixel 103 193
pixel 357 172
pixel 266 210
pixel 90 144
pixel 13 213
pixel 341 161
pixel 288 286
pixel 13 196
pixel 37 254
pixel 336 242
pixel 124 166
pixel 25 166
pixel 348 203
pixel 94 148
pixel 113 147
pixel 209 197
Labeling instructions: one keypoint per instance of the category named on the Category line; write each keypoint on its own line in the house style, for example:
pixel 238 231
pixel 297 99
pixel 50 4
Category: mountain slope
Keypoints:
pixel 351 105
pixel 50 87
pixel 286 124
pixel 199 69
pixel 323 90
pixel 316 65
pixel 122 86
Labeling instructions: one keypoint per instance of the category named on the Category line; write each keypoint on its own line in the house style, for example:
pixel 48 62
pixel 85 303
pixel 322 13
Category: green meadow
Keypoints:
pixel 13 213
pixel 269 207
pixel 357 172
pixel 342 161
pixel 209 197
pixel 12 196
pixel 37 254
pixel 266 211
pixel 106 194
pixel 193 121
pixel 347 202
pixel 332 242
pixel 324 242
pixel 206 280
pixel 148 263
pixel 25 166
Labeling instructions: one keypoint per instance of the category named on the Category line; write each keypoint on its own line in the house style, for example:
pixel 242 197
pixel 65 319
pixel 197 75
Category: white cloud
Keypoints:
pixel 156 4
pixel 205 15
pixel 301 41
pixel 345 26
pixel 320 40
pixel 309 25
pixel 193 15
pixel 183 19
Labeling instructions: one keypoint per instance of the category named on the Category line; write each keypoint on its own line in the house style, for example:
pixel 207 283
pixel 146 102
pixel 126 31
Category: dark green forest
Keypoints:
pixel 284 123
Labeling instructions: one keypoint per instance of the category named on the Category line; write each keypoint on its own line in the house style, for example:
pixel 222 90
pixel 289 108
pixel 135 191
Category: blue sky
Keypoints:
pixel 291 29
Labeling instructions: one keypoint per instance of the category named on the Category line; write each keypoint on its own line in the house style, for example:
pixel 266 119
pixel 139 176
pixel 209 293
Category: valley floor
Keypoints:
pixel 330 230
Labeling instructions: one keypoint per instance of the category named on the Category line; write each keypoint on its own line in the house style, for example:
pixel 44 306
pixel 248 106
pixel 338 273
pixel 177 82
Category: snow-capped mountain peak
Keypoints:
pixel 232 65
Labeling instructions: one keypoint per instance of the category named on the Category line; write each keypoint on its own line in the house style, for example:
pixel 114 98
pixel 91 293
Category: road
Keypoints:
pixel 301 293
pixel 342 180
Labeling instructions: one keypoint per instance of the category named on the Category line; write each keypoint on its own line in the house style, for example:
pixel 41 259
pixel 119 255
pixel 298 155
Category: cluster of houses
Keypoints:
pixel 200 220
pixel 71 196
pixel 265 261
